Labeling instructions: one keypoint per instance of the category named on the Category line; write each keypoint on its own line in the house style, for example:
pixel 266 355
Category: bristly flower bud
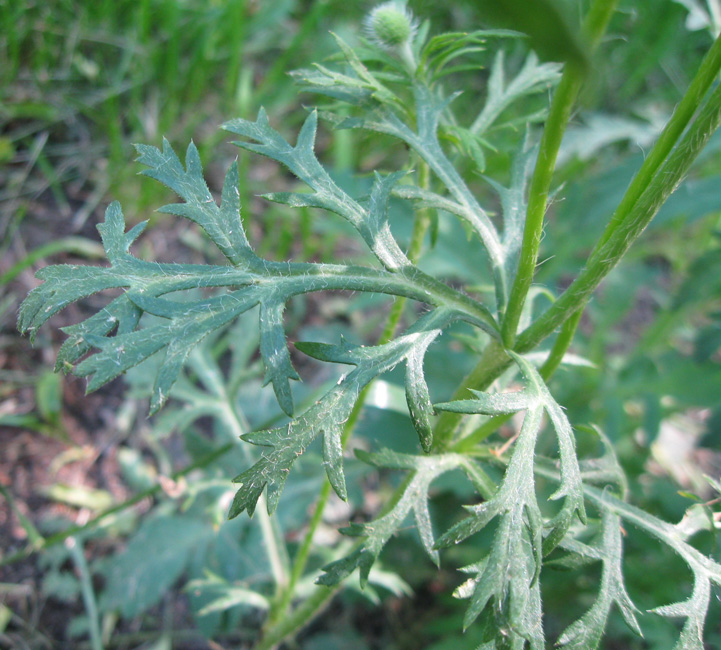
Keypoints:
pixel 390 25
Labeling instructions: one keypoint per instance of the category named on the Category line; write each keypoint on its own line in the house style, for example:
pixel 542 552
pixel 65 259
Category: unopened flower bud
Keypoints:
pixel 390 25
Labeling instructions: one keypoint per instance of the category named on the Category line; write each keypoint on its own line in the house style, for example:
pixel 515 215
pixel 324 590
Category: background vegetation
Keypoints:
pixel 80 83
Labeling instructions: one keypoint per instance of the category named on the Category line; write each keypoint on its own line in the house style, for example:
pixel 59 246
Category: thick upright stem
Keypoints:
pixel 559 114
pixel 558 117
pixel 608 253
pixel 682 115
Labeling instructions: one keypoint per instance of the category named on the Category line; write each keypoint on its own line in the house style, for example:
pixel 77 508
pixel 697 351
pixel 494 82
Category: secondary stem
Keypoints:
pixel 555 357
pixel 561 345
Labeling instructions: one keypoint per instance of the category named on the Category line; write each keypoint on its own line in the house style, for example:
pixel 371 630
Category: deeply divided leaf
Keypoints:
pixel 328 415
pixel 414 499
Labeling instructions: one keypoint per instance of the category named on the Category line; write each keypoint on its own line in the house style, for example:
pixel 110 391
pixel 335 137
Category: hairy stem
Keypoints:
pixel 491 365
pixel 409 282
pixel 563 100
pixel 608 253
pixel 555 357
pixel 682 115
pixel 561 345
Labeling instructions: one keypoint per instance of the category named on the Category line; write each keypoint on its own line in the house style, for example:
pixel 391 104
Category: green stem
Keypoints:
pixel 561 345
pixel 555 357
pixel 607 253
pixel 490 426
pixel 298 618
pixel 560 112
pixel 86 587
pixel 563 100
pixel 682 115
pixel 301 559
pixel 422 217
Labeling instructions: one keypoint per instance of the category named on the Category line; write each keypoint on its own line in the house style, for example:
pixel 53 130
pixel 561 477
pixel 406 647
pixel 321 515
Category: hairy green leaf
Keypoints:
pixel 535 398
pixel 301 160
pixel 328 416
pixel 508 578
pixel 532 78
pixel 705 570
pixel 116 331
pixel 178 311
pixel 222 223
pixel 274 350
pixel 414 498
pixel 586 632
